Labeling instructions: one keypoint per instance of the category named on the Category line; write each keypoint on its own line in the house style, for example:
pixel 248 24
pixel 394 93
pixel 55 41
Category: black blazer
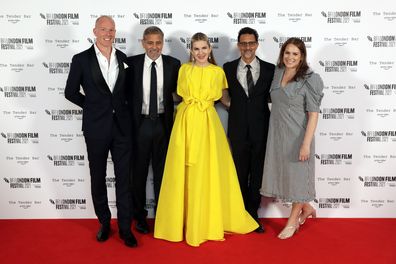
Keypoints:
pixel 249 116
pixel 100 106
pixel 134 80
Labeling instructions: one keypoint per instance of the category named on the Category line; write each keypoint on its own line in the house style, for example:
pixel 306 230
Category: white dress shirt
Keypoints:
pixel 241 73
pixel 109 69
pixel 146 84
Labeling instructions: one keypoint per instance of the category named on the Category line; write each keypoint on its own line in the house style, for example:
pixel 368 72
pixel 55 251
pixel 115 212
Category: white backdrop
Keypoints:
pixel 351 44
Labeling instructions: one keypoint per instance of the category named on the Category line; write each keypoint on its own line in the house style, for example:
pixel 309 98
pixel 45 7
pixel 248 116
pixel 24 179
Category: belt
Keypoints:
pixel 152 116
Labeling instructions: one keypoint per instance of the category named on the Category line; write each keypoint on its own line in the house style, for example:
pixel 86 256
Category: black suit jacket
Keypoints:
pixel 100 106
pixel 249 116
pixel 134 80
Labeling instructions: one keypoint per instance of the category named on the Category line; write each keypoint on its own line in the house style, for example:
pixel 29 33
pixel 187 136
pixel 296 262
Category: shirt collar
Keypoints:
pixel 255 63
pixel 97 51
pixel 148 61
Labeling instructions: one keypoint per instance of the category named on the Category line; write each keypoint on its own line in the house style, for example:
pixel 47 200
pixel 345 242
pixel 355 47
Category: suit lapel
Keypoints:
pixel 139 79
pixel 235 69
pixel 166 78
pixel 96 73
pixel 121 73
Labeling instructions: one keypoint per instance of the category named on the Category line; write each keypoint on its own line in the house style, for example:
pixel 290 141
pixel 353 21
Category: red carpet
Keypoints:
pixel 319 241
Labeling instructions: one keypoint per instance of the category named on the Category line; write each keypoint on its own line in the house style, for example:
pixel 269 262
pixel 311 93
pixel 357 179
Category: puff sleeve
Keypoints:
pixel 314 93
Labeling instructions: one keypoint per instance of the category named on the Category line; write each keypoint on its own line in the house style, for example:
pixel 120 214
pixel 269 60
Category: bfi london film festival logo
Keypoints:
pixel 69 204
pixel 281 40
pixel 339 65
pixel 381 89
pixel 64 114
pixel 386 15
pixel 333 202
pixel 248 18
pixel 120 43
pixel 378 181
pixel 22 160
pixel 21 137
pixel 336 136
pixel 384 41
pixel 61 19
pixel 16 43
pixel 19 91
pixel 57 67
pixel 200 18
pixel 23 183
pixel 342 17
pixel 335 159
pixel 14 18
pixel 110 182
pixel 63 160
pixel 379 158
pixel 154 18
pixel 19 114
pixel 338 113
pixel 213 40
pixel 294 17
pixel 341 41
pixel 379 136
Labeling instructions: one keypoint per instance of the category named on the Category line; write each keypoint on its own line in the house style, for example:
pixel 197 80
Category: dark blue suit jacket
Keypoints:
pixel 134 76
pixel 249 116
pixel 100 106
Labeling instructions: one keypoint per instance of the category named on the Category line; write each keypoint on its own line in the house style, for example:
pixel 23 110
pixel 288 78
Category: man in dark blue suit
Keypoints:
pixel 249 79
pixel 99 70
pixel 152 78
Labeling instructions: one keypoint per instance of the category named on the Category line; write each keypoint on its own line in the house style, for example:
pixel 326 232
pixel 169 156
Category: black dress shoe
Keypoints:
pixel 259 229
pixel 142 227
pixel 103 233
pixel 129 239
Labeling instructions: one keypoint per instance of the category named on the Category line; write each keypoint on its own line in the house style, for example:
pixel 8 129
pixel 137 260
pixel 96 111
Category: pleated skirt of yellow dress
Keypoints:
pixel 200 194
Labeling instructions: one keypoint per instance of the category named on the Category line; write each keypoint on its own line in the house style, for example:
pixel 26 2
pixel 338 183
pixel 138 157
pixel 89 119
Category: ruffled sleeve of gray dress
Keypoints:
pixel 314 92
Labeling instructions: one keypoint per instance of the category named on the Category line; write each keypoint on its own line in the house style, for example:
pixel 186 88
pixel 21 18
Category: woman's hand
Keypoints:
pixel 304 153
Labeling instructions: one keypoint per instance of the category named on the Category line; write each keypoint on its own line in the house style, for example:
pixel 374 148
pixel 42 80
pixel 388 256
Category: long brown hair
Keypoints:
pixel 198 37
pixel 302 69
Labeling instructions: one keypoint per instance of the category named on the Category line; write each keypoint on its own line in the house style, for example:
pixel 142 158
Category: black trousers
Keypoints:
pixel 151 143
pixel 249 162
pixel 120 148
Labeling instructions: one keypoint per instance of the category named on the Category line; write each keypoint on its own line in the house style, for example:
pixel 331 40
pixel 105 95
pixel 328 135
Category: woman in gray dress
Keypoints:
pixel 289 169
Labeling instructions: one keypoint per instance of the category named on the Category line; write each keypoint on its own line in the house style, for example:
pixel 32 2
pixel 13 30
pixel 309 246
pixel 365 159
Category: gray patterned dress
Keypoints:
pixel 285 177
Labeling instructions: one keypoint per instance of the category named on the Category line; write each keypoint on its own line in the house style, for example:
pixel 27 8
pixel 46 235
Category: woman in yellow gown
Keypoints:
pixel 200 193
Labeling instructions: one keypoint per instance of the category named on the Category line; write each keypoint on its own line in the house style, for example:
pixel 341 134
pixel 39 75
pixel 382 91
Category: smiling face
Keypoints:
pixel 200 51
pixel 247 46
pixel 153 44
pixel 104 32
pixel 292 57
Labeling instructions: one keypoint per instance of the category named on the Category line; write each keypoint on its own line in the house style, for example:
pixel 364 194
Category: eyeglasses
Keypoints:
pixel 250 43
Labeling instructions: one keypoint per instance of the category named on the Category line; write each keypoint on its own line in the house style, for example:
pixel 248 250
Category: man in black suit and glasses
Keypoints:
pixel 249 79
pixel 152 78
pixel 99 70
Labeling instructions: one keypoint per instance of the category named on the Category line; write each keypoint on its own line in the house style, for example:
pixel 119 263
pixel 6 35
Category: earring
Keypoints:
pixel 210 57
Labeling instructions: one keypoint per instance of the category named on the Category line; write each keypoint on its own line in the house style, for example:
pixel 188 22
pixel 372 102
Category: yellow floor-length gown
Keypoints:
pixel 200 193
